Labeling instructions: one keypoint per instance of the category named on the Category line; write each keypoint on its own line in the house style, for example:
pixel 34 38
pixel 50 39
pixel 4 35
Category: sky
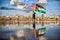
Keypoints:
pixel 51 7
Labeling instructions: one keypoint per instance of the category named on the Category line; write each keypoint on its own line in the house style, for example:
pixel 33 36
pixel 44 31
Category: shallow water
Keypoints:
pixel 52 32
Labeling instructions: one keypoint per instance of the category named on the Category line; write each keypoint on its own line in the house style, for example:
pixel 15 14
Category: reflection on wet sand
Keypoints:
pixel 43 37
pixel 7 27
pixel 27 34
pixel 16 23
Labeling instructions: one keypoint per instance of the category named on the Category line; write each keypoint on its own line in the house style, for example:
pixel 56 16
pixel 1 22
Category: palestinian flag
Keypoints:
pixel 40 9
pixel 41 30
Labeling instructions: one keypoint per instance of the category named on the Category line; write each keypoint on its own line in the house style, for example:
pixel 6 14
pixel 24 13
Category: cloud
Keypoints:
pixel 19 0
pixel 42 1
pixel 20 7
pixel 12 2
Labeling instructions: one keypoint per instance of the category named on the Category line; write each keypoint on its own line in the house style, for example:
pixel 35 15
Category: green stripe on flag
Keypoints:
pixel 41 29
pixel 41 11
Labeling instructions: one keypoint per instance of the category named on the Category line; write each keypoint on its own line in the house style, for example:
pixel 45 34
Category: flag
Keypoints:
pixel 41 30
pixel 40 9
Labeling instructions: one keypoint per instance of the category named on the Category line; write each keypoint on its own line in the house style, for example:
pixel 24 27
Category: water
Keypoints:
pixel 52 32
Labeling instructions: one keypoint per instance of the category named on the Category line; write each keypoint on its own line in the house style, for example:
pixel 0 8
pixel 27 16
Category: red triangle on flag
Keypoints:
pixel 36 7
